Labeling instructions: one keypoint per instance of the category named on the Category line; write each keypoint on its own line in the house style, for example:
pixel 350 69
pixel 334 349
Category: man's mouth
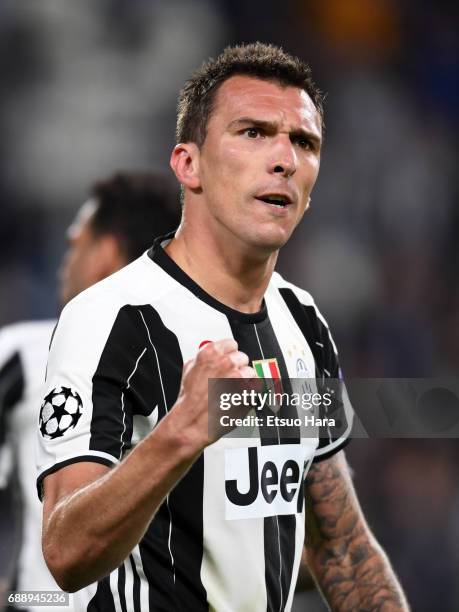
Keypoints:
pixel 275 200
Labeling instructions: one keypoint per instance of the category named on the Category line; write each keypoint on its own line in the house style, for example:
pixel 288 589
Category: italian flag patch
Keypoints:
pixel 268 369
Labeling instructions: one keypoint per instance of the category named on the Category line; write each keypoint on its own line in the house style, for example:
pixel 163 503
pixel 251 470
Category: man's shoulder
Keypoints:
pixel 112 304
pixel 279 283
pixel 304 298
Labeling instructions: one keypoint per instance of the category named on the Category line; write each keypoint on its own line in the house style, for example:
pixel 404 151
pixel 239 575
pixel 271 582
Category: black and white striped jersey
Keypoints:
pixel 23 353
pixel 218 542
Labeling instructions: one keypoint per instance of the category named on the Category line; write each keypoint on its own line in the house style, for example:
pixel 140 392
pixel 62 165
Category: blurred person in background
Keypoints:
pixel 139 492
pixel 114 227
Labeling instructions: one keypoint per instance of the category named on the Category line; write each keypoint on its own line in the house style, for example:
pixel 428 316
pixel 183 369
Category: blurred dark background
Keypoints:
pixel 90 87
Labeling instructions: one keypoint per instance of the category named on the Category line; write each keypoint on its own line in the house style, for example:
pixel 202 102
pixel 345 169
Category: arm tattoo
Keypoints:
pixel 350 567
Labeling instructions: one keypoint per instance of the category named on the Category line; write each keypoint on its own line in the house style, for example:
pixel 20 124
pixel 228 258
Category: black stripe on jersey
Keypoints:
pixel 103 598
pixel 136 586
pixel 122 587
pixel 121 384
pixel 187 538
pixel 11 388
pixel 319 340
pixel 61 464
pixel 259 341
pixel 172 549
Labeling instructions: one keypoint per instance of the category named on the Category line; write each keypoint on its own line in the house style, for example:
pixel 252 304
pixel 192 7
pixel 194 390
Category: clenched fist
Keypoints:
pixel 220 359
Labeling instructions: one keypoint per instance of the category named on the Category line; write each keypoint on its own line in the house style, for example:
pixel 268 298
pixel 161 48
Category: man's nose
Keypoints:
pixel 284 160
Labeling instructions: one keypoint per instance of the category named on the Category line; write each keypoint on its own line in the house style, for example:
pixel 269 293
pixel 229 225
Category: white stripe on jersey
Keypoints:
pixel 259 343
pixel 129 584
pixel 114 587
pixel 219 574
pixel 170 537
pixel 144 598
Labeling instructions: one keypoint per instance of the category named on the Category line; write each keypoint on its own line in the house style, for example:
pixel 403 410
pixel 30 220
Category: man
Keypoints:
pixel 113 228
pixel 137 494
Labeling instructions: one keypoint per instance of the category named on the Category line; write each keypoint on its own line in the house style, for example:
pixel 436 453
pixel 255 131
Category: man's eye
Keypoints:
pixel 252 132
pixel 303 143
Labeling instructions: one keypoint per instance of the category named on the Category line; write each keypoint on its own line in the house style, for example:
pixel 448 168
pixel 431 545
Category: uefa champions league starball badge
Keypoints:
pixel 61 410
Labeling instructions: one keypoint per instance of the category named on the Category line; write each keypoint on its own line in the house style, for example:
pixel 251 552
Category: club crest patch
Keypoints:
pixel 302 369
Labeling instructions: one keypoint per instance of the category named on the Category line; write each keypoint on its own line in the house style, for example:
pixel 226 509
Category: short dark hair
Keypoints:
pixel 259 60
pixel 135 207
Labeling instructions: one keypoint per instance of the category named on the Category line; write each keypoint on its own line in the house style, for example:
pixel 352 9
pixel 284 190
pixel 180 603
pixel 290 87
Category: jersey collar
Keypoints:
pixel 157 254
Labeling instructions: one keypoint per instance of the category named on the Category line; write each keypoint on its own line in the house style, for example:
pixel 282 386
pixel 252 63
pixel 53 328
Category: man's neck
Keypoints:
pixel 235 277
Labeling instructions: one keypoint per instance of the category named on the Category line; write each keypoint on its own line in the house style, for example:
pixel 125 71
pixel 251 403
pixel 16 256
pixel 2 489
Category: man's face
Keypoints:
pixel 79 268
pixel 262 146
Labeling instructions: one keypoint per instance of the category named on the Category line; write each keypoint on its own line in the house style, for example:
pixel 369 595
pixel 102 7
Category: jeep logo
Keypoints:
pixel 264 480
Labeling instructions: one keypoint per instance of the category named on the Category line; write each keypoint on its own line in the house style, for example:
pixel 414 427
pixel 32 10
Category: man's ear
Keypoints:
pixel 185 164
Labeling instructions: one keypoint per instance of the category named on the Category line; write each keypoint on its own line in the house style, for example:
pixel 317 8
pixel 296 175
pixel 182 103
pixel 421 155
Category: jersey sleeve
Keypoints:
pixel 329 376
pixel 87 410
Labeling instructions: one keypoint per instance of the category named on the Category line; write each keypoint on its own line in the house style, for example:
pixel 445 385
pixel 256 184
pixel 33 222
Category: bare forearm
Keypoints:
pixel 357 577
pixel 90 532
pixel 350 567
